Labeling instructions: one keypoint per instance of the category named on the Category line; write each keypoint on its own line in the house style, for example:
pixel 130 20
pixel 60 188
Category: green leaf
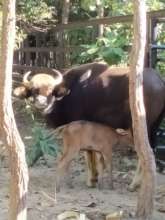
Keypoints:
pixel 33 155
pixel 112 55
pixel 94 49
pixel 44 142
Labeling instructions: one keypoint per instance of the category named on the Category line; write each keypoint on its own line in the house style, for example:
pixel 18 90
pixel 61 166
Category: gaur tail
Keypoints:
pixel 161 116
pixel 155 126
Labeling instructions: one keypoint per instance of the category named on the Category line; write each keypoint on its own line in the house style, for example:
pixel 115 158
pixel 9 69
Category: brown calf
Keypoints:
pixel 83 135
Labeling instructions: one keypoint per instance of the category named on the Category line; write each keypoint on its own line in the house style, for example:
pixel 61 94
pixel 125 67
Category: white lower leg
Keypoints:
pixel 136 180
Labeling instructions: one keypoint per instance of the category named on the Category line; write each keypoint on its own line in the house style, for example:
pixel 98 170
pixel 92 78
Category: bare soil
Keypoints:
pixel 95 203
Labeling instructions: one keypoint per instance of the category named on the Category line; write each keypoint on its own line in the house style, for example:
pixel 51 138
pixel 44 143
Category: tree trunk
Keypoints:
pixel 65 19
pixel 100 14
pixel 63 57
pixel 11 137
pixel 65 11
pixel 144 151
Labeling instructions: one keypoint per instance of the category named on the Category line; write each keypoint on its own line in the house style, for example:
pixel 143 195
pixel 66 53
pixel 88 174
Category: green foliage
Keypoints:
pixel 161 64
pixel 109 48
pixel 112 49
pixel 80 36
pixel 121 7
pixel 161 33
pixel 161 53
pixel 45 11
pixel 44 143
pixel 88 5
pixel 155 4
pixel 34 11
pixel 20 36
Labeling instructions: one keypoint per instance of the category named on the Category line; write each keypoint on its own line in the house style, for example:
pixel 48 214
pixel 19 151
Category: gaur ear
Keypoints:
pixel 60 92
pixel 22 92
pixel 86 75
pixel 121 131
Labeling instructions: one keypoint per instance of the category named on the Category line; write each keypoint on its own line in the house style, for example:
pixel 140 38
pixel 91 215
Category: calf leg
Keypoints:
pixel 90 157
pixel 108 161
pixel 63 165
pixel 100 168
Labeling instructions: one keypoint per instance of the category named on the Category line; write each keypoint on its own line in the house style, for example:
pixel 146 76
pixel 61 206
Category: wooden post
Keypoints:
pixel 26 54
pixel 146 194
pixel 153 51
pixel 8 128
pixel 100 14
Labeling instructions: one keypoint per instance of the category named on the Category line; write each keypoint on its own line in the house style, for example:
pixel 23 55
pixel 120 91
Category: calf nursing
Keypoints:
pixel 83 135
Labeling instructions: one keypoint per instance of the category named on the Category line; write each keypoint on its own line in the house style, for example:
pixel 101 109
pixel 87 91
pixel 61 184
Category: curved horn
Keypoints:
pixel 58 76
pixel 25 77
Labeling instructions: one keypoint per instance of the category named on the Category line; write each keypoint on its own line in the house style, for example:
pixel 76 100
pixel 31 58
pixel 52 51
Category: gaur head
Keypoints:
pixel 40 87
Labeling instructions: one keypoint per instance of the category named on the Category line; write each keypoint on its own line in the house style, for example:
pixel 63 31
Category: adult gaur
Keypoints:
pixel 96 92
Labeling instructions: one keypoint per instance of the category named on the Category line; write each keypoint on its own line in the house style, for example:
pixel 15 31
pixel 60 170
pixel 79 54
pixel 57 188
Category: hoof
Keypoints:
pixel 70 185
pixel 111 187
pixel 91 184
pixel 110 184
pixel 132 187
pixel 100 185
pixel 57 186
pixel 58 189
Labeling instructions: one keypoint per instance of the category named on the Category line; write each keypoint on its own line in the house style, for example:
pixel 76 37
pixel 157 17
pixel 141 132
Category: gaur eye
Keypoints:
pixel 29 93
pixel 35 91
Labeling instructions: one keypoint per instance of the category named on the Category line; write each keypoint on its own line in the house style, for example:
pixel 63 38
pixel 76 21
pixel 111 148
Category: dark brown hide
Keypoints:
pixel 102 96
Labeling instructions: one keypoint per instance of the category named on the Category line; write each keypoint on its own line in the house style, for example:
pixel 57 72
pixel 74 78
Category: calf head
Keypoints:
pixel 40 87
pixel 125 136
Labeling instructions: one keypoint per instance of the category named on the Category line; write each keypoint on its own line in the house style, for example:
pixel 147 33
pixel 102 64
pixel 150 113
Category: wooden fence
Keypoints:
pixel 53 56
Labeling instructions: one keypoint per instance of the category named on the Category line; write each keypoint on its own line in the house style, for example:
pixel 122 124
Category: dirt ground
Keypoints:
pixel 95 203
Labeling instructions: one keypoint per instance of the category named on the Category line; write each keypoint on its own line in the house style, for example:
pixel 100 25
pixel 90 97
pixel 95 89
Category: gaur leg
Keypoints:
pixel 90 157
pixel 136 180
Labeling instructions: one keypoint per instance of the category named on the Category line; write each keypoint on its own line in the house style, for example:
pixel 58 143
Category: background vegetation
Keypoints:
pixel 112 47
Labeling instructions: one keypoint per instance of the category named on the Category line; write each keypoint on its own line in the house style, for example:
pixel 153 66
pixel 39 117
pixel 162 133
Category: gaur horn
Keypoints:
pixel 58 76
pixel 26 76
pixel 55 73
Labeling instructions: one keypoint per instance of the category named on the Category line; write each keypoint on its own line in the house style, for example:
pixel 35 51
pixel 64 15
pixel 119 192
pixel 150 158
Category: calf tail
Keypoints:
pixel 59 130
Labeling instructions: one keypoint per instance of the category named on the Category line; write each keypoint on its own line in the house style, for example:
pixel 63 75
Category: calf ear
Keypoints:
pixel 121 131
pixel 22 92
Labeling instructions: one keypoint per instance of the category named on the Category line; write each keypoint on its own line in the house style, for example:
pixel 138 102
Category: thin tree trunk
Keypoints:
pixel 65 19
pixel 63 58
pixel 144 151
pixel 18 167
pixel 100 14
pixel 65 11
